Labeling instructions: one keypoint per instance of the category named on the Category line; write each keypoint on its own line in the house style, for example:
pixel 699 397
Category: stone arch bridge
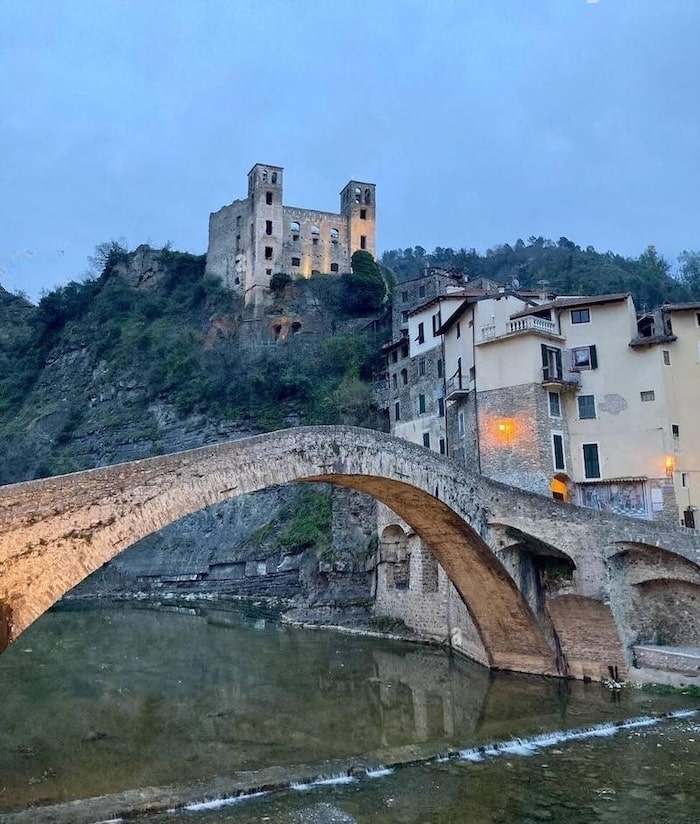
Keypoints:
pixel 57 531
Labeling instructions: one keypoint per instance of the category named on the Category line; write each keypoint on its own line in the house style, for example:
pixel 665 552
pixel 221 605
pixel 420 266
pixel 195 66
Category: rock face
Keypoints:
pixel 237 549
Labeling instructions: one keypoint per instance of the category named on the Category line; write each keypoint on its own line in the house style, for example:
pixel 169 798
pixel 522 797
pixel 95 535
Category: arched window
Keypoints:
pixel 335 234
pixel 274 177
pixel 295 228
pixel 315 230
pixel 358 194
pixel 368 196
pixel 264 175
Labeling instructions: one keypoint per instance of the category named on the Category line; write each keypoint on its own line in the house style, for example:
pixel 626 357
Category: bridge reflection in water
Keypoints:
pixel 114 698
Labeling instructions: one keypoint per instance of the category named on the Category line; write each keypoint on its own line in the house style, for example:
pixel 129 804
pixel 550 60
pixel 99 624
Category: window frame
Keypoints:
pixel 580 314
pixel 556 395
pixel 581 417
pixel 558 436
pixel 593 445
pixel 666 357
pixel 592 361
pixel 422 404
pixel 650 395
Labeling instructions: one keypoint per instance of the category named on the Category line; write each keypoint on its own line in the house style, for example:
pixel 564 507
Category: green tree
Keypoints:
pixel 690 271
pixel 365 288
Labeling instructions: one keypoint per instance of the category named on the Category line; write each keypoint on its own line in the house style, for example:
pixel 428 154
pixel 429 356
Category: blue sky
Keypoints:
pixel 480 122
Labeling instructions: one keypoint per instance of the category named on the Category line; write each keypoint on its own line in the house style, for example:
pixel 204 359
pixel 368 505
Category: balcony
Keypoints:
pixel 456 387
pixel 518 326
pixel 558 379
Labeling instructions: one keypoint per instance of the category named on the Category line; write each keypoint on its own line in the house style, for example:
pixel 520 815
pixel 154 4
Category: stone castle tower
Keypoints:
pixel 257 236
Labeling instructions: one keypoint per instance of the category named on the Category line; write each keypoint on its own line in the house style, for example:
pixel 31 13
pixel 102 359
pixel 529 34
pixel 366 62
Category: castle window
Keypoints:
pixel 394 381
pixel 274 177
pixel 421 404
pixel 363 242
pixel 397 411
pixel 268 227
pixel 421 366
pixel 443 445
pixel 421 291
pixel 314 241
pixel 358 194
pixel 441 407
pixel 368 196
pixel 268 253
pixel 264 175
pixel 334 235
pixel 268 271
pixel 404 351
pixel 363 214
pixel 238 243
pixel 268 198
pixel 426 439
pixel 404 296
pixel 296 261
pixel 334 267
pixel 315 231
pixel 295 229
pixel 404 376
pixel 238 221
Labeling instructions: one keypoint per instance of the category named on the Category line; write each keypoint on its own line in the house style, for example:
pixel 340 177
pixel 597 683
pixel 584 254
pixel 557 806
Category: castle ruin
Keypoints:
pixel 258 236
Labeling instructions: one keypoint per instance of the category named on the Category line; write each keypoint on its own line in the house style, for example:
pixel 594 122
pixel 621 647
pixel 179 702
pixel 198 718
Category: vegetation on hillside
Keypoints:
pixel 173 341
pixel 561 267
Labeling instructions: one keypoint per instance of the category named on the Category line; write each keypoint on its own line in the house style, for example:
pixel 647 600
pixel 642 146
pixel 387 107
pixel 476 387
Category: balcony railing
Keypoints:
pixel 560 378
pixel 519 325
pixel 456 386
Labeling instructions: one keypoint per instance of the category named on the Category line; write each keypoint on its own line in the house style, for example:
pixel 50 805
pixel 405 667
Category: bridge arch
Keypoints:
pixel 55 532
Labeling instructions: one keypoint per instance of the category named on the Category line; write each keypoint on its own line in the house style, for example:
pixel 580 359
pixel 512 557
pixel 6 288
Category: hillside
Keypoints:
pixel 563 267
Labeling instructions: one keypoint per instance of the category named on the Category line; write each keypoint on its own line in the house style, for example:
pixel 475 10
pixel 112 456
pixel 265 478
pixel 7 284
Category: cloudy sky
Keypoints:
pixel 481 121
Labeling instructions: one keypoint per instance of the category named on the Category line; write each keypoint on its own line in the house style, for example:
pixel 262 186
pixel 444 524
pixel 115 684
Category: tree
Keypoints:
pixel 690 271
pixel 365 288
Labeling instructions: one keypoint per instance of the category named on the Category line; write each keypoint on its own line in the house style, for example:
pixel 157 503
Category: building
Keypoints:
pixel 574 397
pixel 257 236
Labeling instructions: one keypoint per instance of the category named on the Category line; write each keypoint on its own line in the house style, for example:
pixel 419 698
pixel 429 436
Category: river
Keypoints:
pixel 200 703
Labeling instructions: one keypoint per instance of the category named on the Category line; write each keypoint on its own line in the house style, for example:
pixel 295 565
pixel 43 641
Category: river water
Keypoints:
pixel 207 700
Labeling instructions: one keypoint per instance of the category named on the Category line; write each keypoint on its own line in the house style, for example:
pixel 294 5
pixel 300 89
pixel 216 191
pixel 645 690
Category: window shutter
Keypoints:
pixel 594 357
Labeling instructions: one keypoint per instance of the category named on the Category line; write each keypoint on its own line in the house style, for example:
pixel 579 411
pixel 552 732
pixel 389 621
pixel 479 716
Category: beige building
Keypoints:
pixel 257 236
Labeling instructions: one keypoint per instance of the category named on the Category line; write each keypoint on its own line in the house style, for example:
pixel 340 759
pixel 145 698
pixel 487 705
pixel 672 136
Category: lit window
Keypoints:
pixel 647 395
pixel 591 460
pixel 558 450
pixel 296 261
pixel 580 315
pixel 586 407
pixel 584 357
pixel 667 357
pixel 554 405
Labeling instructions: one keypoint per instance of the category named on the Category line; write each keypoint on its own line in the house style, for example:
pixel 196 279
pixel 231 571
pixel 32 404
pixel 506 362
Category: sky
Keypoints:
pixel 480 121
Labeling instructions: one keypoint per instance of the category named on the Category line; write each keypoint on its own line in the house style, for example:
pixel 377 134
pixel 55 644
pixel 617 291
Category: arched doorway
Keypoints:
pixel 559 487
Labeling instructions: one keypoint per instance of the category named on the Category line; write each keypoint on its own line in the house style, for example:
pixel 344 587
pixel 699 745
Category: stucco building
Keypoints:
pixel 257 236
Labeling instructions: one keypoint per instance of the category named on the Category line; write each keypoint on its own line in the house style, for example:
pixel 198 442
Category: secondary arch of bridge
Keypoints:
pixel 57 531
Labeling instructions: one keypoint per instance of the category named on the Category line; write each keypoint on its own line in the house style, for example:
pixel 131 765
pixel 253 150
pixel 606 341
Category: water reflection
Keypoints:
pixel 99 700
